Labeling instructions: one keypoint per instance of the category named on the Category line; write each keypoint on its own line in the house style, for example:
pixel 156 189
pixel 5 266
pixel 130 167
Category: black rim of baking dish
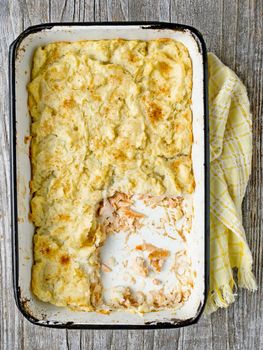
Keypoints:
pixel 21 304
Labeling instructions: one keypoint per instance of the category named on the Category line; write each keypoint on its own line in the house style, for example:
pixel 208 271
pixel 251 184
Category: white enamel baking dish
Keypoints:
pixel 21 51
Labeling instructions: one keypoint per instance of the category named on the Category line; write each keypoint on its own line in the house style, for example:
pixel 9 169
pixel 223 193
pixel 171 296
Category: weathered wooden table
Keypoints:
pixel 234 31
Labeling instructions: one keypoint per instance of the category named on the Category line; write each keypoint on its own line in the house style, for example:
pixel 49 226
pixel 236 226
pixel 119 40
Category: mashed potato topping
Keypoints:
pixel 108 116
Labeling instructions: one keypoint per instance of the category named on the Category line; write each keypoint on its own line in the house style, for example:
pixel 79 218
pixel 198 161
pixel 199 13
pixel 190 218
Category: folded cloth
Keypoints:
pixel 230 162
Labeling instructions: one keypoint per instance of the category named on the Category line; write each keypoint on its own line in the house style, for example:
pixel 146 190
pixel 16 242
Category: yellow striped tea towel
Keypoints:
pixel 230 162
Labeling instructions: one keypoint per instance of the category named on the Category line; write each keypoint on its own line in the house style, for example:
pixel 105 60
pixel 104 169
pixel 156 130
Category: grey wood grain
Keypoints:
pixel 233 29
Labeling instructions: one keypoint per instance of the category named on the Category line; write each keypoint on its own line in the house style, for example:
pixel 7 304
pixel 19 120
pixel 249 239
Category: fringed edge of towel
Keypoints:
pixel 225 295
pixel 220 297
pixel 246 279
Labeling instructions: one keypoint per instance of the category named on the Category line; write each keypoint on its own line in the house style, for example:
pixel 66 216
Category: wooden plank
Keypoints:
pixel 205 15
pixel 101 10
pixel 158 10
pixel 118 10
pixel 11 324
pixel 102 340
pixel 62 11
pixel 233 30
pixel 228 42
pixel 247 312
pixel 119 340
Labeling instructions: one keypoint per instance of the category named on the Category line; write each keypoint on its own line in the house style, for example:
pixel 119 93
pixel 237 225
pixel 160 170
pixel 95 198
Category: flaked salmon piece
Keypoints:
pixel 128 299
pixel 156 255
pixel 122 204
pixel 105 210
pixel 122 196
pixel 157 259
pixel 182 267
pixel 130 213
pixel 120 199
pixel 173 202
pixel 141 267
pixel 146 246
pixel 117 215
pixel 133 299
